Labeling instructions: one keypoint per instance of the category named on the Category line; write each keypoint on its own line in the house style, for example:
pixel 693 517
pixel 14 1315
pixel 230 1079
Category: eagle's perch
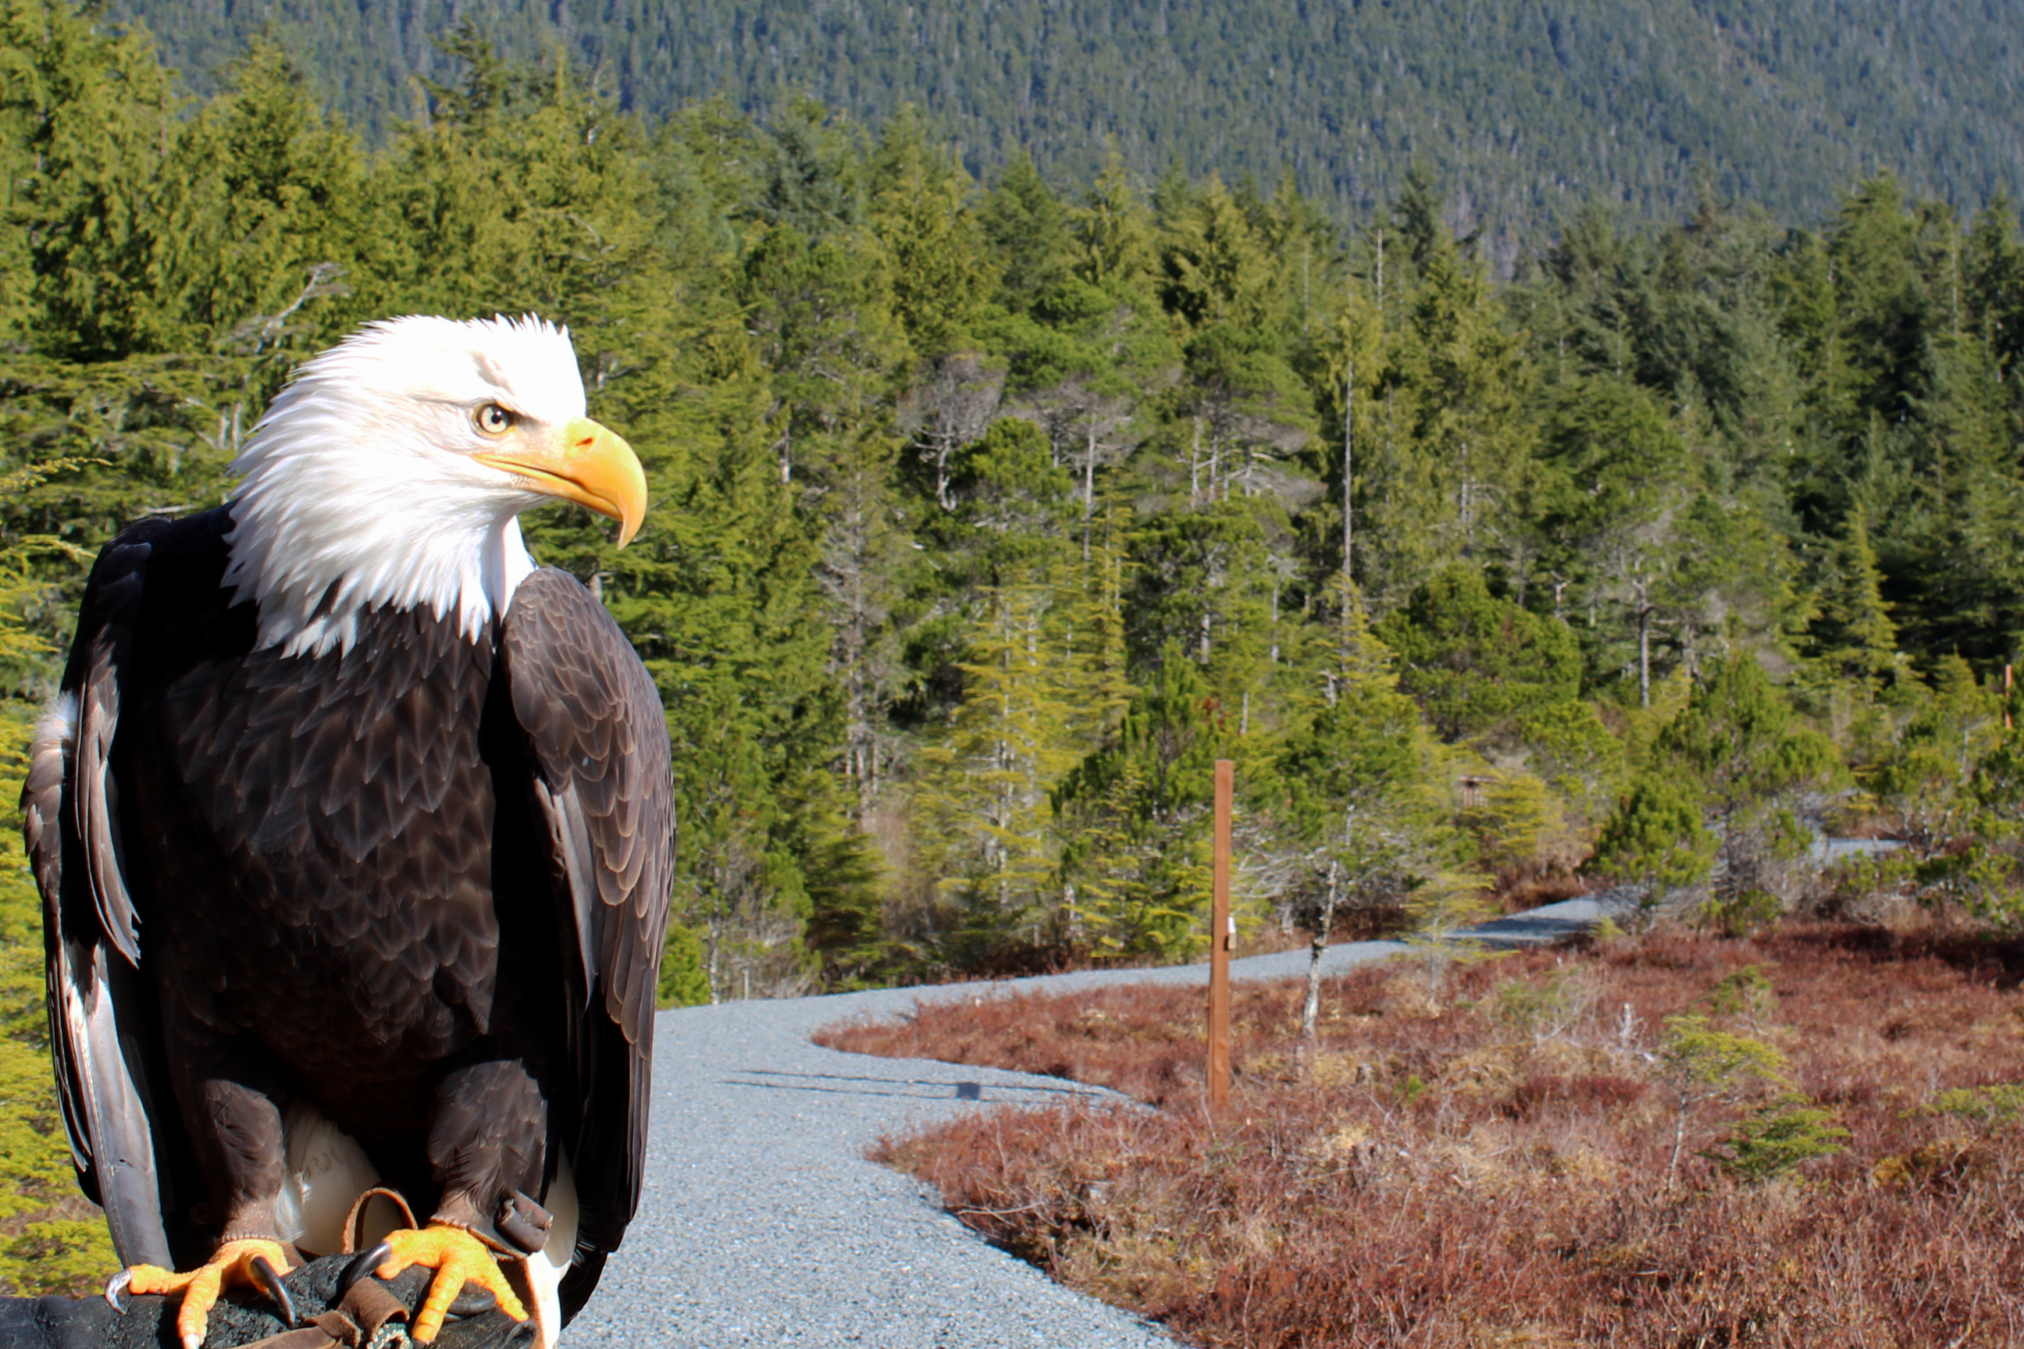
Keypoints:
pixel 354 833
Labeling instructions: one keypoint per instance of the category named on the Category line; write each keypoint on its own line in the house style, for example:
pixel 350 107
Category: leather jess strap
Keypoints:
pixel 355 1323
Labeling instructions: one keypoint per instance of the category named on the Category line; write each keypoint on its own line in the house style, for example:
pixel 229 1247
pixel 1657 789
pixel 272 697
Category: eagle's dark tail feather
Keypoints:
pixel 580 1282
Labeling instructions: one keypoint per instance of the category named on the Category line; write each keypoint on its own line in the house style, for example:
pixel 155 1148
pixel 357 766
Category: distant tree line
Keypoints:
pixel 1523 111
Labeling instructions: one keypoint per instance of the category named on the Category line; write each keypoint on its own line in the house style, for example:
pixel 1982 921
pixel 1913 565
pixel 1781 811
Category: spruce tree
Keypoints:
pixel 1354 795
pixel 1134 817
pixel 1476 663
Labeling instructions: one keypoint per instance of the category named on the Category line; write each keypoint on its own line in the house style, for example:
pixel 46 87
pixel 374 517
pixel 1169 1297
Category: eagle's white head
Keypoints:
pixel 392 468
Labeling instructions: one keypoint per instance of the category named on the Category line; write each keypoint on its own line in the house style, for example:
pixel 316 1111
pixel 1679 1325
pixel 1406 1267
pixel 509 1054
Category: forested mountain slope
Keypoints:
pixel 1524 109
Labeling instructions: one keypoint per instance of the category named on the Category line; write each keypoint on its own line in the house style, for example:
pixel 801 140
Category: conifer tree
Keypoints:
pixel 1611 513
pixel 1738 746
pixel 1993 279
pixel 1355 810
pixel 982 813
pixel 1656 839
pixel 1134 817
pixel 820 310
pixel 1025 226
pixel 1477 663
pixel 1114 228
pixel 921 208
pixel 1858 638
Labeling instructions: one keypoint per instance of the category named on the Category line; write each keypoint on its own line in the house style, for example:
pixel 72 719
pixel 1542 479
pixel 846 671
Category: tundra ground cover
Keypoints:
pixel 1810 1138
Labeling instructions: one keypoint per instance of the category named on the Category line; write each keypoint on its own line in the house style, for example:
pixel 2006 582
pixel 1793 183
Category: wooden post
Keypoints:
pixel 2006 697
pixel 1219 945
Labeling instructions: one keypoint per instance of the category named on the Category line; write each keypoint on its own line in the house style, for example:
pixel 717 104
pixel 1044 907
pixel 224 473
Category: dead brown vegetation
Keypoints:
pixel 1477 1154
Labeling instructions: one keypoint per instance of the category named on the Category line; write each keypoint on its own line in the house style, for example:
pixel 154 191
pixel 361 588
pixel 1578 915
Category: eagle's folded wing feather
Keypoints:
pixel 92 933
pixel 599 741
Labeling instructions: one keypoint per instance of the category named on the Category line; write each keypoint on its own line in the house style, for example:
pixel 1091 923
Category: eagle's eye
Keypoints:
pixel 492 420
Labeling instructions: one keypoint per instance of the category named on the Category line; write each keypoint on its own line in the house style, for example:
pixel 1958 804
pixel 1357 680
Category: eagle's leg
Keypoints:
pixel 236 1262
pixel 458 1258
pixel 486 1138
pixel 231 1106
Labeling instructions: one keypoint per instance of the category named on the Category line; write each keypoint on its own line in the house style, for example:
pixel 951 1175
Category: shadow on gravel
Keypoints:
pixel 915 1088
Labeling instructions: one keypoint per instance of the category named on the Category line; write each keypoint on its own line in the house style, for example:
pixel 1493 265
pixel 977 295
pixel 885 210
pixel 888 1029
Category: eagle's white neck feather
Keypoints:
pixel 359 492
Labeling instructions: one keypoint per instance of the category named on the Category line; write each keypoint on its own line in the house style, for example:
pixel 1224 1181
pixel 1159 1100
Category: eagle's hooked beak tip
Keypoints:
pixel 618 474
pixel 629 524
pixel 591 465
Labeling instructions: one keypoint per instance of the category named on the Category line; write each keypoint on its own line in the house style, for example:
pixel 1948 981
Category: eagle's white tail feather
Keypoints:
pixel 327 1171
pixel 547 1266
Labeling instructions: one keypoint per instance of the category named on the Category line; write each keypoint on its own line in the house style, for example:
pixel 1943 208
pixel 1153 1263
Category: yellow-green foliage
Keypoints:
pixel 1745 992
pixel 1776 1138
pixel 1519 819
pixel 1707 1062
pixel 1703 1064
pixel 1998 1104
pixel 684 981
pixel 51 1240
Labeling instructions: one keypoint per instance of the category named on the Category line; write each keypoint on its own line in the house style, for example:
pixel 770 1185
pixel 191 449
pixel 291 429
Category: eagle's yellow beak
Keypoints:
pixel 587 464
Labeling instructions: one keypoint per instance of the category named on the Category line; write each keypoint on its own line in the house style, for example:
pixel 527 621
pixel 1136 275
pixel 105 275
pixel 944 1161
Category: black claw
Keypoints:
pixel 117 1285
pixel 361 1265
pixel 473 1300
pixel 270 1283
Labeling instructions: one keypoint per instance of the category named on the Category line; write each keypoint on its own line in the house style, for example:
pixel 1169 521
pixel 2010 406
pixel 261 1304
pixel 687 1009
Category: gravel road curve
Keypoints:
pixel 763 1224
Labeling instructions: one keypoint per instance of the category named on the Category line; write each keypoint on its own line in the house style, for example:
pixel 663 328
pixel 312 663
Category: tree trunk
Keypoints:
pixel 716 948
pixel 1467 502
pixel 1679 1140
pixel 1348 449
pixel 1088 487
pixel 943 497
pixel 1644 644
pixel 1195 465
pixel 1310 1011
pixel 1348 517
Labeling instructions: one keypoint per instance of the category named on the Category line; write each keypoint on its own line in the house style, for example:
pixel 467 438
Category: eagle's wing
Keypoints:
pixel 71 808
pixel 599 743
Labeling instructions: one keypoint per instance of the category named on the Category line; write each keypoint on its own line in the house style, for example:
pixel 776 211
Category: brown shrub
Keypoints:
pixel 1430 1172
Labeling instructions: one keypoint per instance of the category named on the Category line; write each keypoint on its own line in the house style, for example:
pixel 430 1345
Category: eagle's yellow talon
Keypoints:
pixel 458 1258
pixel 230 1264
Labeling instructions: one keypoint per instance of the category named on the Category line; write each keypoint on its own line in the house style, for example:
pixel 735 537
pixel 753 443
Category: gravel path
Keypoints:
pixel 763 1224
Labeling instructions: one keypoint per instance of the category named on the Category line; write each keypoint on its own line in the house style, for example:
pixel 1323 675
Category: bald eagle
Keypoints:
pixel 354 832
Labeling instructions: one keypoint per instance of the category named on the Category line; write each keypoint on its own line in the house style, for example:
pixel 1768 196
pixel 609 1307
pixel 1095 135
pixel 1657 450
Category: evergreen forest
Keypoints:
pixel 989 512
pixel 1524 110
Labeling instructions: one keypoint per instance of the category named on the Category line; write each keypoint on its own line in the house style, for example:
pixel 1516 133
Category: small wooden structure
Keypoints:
pixel 1221 929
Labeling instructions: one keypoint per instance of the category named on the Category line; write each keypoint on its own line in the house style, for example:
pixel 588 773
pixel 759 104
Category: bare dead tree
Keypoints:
pixel 950 405
pixel 856 550
pixel 1086 429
